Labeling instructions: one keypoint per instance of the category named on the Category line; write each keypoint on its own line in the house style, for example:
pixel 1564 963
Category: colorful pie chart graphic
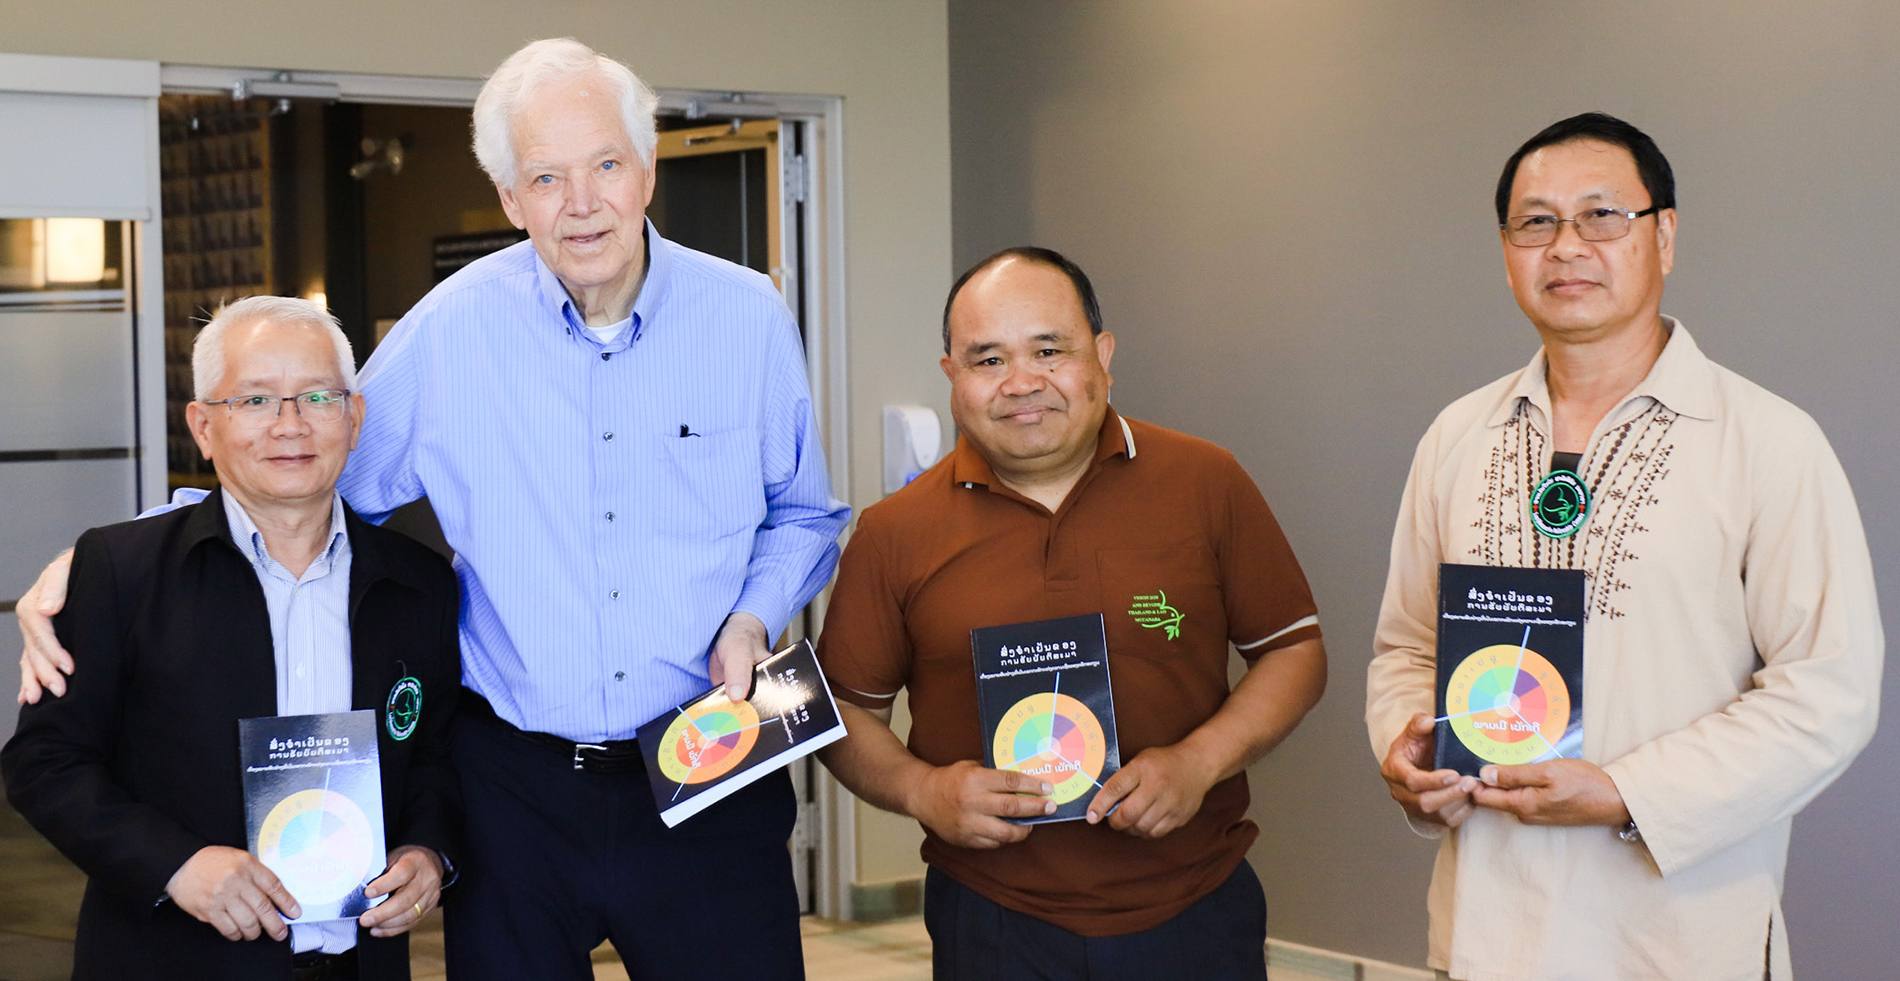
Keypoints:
pixel 708 740
pixel 1055 737
pixel 1508 704
pixel 320 844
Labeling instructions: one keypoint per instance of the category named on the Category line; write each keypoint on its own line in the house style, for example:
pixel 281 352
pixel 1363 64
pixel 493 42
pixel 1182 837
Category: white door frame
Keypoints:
pixel 819 172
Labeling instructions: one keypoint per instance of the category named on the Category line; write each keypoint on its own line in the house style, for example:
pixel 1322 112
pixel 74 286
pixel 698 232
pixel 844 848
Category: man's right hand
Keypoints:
pixel 43 660
pixel 1429 796
pixel 233 891
pixel 965 804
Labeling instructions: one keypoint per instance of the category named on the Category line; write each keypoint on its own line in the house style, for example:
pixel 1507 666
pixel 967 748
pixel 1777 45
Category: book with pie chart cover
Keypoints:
pixel 313 807
pixel 1510 666
pixel 1042 691
pixel 702 751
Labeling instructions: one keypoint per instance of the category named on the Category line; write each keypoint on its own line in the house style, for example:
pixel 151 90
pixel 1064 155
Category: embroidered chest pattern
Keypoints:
pixel 1623 471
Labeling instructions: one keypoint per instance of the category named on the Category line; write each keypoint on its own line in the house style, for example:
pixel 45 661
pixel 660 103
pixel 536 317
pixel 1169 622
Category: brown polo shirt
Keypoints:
pixel 1157 511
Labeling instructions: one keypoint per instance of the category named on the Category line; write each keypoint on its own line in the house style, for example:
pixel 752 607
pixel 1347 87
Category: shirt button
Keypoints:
pixel 610 516
pixel 620 676
pixel 609 437
pixel 615 594
pixel 606 356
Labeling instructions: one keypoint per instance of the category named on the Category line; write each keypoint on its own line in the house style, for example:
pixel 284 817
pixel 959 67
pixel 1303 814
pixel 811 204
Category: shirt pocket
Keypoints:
pixel 1162 603
pixel 708 486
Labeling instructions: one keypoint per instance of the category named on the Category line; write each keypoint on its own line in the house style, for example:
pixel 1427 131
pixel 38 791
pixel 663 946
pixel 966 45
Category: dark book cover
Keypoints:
pixel 702 751
pixel 1042 691
pixel 313 807
pixel 1510 666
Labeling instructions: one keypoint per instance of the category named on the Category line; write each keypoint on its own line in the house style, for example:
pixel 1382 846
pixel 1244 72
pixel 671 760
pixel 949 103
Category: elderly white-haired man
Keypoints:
pixel 617 436
pixel 268 598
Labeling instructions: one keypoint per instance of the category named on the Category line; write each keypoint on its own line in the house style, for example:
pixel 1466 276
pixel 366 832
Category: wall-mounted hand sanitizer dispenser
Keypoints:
pixel 913 439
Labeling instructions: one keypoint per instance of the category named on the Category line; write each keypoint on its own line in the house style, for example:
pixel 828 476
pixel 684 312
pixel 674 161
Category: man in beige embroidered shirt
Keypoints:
pixel 1732 644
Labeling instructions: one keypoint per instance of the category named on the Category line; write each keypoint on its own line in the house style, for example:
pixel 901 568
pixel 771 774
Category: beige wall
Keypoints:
pixel 1287 209
pixel 886 58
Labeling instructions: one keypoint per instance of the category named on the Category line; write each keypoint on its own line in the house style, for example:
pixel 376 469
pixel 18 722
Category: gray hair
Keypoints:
pixel 207 353
pixel 552 60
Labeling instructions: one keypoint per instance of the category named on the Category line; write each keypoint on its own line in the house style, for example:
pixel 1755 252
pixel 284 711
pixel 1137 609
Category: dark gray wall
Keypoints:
pixel 1287 210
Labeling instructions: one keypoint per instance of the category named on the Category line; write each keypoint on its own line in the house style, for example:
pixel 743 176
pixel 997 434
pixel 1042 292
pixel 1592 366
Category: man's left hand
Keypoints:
pixel 1159 790
pixel 414 884
pixel 741 644
pixel 1559 792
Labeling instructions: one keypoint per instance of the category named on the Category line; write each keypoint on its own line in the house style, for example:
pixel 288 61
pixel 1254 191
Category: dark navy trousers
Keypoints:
pixel 561 859
pixel 1222 937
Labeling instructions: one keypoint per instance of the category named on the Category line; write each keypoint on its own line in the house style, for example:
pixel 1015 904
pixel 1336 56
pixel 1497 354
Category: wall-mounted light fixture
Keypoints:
pixel 379 155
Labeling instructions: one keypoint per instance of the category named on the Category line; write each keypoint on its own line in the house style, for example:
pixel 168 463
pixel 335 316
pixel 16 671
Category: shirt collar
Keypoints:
pixel 967 466
pixel 250 541
pixel 1683 379
pixel 652 292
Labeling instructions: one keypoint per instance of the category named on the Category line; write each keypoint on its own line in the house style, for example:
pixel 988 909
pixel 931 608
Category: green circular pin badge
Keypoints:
pixel 404 708
pixel 1560 504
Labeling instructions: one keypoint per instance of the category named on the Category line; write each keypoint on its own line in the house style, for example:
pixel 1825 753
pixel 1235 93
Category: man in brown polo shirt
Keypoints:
pixel 1054 505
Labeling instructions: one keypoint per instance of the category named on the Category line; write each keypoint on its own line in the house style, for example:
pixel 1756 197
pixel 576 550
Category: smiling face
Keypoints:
pixel 1028 383
pixel 580 191
pixel 1579 291
pixel 293 460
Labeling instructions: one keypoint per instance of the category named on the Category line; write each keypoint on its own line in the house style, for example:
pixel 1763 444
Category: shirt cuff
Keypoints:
pixel 1420 828
pixel 763 601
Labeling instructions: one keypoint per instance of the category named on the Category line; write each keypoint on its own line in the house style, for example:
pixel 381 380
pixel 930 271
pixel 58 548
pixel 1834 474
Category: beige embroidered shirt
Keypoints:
pixel 1732 659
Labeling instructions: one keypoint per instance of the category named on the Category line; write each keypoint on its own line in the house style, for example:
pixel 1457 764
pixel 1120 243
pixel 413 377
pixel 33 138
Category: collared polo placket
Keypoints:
pixel 1061 562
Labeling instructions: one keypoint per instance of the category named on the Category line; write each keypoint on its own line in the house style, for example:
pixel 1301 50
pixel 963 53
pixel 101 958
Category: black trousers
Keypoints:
pixel 561 859
pixel 1222 936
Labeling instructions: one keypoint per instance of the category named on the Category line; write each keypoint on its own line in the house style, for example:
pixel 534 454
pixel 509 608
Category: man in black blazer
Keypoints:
pixel 268 598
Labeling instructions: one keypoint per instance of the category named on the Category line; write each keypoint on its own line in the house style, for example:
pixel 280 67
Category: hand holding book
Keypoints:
pixel 973 806
pixel 414 885
pixel 1158 791
pixel 1441 797
pixel 1555 792
pixel 233 891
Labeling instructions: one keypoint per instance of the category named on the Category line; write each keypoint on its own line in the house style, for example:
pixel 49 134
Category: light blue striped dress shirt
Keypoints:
pixel 599 549
pixel 310 642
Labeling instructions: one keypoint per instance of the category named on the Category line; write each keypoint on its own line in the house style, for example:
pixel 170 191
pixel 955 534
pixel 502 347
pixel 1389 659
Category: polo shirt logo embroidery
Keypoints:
pixel 1151 610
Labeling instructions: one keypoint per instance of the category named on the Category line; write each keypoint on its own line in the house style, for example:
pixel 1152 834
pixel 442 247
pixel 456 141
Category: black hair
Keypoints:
pixel 1651 165
pixel 1084 290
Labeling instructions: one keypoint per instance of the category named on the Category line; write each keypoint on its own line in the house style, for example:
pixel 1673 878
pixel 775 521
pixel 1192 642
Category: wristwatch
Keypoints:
pixel 1630 833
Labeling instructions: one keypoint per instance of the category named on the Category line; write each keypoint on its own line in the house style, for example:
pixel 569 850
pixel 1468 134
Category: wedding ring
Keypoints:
pixel 418 911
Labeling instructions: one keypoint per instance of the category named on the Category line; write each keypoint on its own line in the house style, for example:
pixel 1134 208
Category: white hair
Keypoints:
pixel 207 353
pixel 554 60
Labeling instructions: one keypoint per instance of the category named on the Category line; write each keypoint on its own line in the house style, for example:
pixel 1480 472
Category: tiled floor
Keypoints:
pixel 40 890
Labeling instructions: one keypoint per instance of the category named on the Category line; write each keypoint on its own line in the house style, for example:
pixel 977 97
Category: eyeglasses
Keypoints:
pixel 1595 225
pixel 258 411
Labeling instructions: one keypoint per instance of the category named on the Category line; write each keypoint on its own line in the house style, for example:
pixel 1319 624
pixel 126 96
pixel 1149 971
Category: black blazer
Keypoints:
pixel 136 767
